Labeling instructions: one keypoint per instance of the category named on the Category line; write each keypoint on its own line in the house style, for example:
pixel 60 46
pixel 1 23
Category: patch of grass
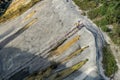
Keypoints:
pixel 115 34
pixel 102 24
pixel 106 14
pixel 21 9
pixel 109 63
pixel 105 28
pixel 85 4
pixel 98 12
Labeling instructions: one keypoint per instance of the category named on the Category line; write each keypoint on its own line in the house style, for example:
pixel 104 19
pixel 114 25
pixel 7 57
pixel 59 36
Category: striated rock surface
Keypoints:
pixel 27 41
pixel 14 8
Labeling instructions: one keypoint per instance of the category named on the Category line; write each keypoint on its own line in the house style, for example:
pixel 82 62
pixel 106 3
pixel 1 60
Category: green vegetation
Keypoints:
pixel 97 12
pixel 104 13
pixel 115 34
pixel 85 4
pixel 21 9
pixel 109 63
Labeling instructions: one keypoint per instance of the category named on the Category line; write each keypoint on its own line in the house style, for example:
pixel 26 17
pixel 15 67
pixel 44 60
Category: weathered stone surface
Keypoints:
pixel 54 19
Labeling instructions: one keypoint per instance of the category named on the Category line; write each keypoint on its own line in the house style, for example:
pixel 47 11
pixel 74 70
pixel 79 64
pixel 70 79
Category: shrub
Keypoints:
pixel 109 63
pixel 85 4
pixel 105 29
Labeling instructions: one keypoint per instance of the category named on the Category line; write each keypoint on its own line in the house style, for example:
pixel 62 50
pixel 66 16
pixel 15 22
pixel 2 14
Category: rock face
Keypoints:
pixel 16 4
pixel 13 5
pixel 25 47
pixel 16 8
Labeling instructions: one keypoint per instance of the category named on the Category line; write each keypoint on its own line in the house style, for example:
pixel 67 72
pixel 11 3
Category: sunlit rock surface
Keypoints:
pixel 23 42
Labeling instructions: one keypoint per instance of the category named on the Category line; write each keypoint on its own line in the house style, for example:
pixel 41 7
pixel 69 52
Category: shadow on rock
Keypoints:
pixel 4 4
pixel 16 64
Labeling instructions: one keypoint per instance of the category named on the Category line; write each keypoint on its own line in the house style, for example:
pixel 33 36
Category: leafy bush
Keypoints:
pixel 109 63
pixel 105 29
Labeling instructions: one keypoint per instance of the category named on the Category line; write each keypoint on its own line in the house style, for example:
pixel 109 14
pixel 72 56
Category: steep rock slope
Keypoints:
pixel 25 48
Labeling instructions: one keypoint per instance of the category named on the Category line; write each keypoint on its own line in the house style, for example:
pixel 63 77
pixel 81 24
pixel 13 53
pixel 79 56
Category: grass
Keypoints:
pixel 85 5
pixel 109 63
pixel 104 15
pixel 115 34
pixel 98 12
pixel 20 10
pixel 102 24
